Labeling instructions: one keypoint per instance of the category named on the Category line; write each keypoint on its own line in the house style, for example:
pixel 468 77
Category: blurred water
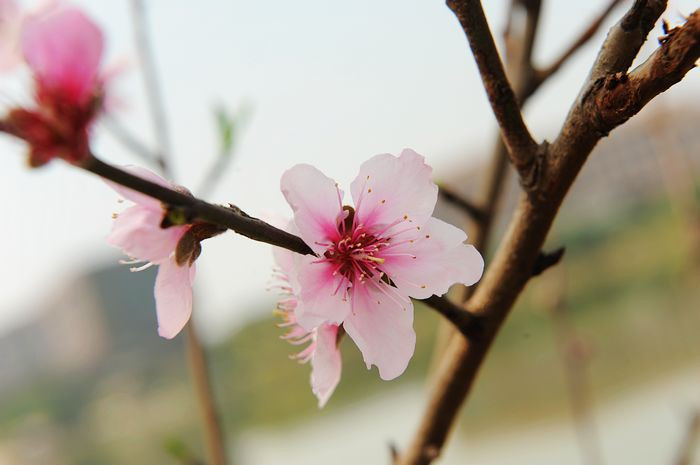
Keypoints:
pixel 645 426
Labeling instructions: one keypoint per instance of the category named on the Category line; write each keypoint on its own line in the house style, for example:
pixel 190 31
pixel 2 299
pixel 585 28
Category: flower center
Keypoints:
pixel 354 254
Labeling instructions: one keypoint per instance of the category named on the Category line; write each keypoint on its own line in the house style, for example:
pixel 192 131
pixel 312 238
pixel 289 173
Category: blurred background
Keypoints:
pixel 599 362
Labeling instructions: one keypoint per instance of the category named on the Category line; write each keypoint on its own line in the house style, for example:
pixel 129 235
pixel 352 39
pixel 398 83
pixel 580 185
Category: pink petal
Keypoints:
pixel 323 298
pixel 382 328
pixel 442 259
pixel 137 232
pixel 135 196
pixel 390 188
pixel 288 261
pixel 10 22
pixel 173 292
pixel 325 363
pixel 64 47
pixel 314 198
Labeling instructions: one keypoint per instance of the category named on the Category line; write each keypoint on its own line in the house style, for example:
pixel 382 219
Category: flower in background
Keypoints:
pixel 138 231
pixel 322 349
pixel 63 49
pixel 10 24
pixel 372 258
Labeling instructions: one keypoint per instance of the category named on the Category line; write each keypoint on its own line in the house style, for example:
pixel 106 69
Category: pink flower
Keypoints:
pixel 322 351
pixel 374 257
pixel 138 232
pixel 63 49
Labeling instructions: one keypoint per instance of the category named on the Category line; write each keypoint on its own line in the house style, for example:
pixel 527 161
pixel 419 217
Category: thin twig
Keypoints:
pixel 463 320
pixel 195 209
pixel 200 375
pixel 580 41
pixel 216 445
pixel 575 355
pixel 521 146
pixel 129 140
pixel 690 440
pixel 477 213
pixel 153 88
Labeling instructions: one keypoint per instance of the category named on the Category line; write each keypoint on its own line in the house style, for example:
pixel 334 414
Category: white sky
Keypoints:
pixel 331 83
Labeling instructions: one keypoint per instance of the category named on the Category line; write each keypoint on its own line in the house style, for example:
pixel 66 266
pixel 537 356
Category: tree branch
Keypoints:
pixel 196 209
pixel 521 146
pixel 153 88
pixel 511 267
pixel 626 38
pixel 466 322
pixel 586 35
pixel 478 214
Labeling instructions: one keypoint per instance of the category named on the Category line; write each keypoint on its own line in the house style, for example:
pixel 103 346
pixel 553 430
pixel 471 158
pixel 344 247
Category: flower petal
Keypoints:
pixel 10 22
pixel 135 196
pixel 441 260
pixel 325 363
pixel 390 188
pixel 382 328
pixel 324 297
pixel 137 232
pixel 288 261
pixel 316 202
pixel 173 292
pixel 64 48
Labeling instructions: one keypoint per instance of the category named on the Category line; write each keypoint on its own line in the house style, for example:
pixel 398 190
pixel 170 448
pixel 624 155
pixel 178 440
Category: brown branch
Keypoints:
pixel 624 95
pixel 152 84
pixel 466 322
pixel 511 267
pixel 521 146
pixel 478 214
pixel 586 35
pixel 210 418
pixel 626 38
pixel 196 209
pixel 575 353
pixel 690 440
pixel 130 141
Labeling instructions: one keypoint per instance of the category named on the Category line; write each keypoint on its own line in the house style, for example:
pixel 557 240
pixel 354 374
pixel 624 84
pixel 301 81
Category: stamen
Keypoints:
pixel 141 268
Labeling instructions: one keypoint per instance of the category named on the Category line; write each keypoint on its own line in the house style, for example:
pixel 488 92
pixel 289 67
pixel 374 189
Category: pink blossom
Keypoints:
pixel 138 232
pixel 372 258
pixel 63 49
pixel 322 350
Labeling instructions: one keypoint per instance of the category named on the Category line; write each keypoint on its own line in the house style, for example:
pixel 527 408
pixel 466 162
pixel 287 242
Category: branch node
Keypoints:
pixel 547 260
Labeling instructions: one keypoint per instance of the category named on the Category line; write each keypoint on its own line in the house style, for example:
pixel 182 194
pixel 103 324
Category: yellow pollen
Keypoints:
pixel 423 286
pixel 405 217
pixel 383 201
pixel 375 259
pixel 427 236
pixel 369 190
pixel 114 216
